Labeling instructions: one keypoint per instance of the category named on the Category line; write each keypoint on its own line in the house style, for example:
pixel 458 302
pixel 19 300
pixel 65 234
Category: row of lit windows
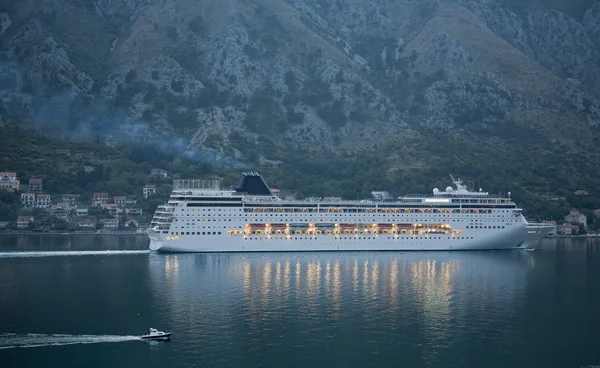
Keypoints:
pixel 365 210
pixel 331 215
pixel 361 238
pixel 348 210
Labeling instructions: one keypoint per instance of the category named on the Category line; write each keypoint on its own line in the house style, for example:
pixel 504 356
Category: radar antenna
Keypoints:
pixel 457 182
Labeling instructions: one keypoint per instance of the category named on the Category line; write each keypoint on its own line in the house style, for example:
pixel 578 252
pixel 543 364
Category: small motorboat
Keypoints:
pixel 154 334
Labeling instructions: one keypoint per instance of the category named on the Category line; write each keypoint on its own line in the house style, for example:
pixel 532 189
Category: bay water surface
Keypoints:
pixel 85 305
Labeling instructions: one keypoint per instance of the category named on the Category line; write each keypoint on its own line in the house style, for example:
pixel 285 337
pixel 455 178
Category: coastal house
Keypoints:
pixel 567 229
pixel 23 222
pixel 99 199
pixel 596 213
pixel 43 201
pixel 33 200
pixel 35 185
pixel 70 198
pixel 575 217
pixel 159 172
pixel 62 151
pixel 81 211
pixel 581 192
pixel 120 200
pixel 60 211
pixel 9 181
pixel 86 224
pixel 112 208
pixel 133 212
pixel 132 224
pixel 111 224
pixel 27 200
pixel 149 190
pixel 82 155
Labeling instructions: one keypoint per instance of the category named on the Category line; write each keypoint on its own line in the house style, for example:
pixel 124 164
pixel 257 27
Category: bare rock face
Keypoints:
pixel 5 22
pixel 591 22
pixel 321 76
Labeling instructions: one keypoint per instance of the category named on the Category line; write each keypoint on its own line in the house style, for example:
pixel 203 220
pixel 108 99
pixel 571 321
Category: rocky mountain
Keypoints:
pixel 497 86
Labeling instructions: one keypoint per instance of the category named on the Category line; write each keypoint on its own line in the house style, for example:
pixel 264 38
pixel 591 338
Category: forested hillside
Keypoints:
pixel 324 97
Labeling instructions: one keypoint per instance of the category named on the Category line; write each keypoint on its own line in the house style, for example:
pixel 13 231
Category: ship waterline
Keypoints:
pixel 200 217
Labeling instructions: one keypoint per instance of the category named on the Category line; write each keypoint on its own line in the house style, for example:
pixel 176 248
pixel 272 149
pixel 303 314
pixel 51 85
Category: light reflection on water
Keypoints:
pixel 442 309
pixel 432 285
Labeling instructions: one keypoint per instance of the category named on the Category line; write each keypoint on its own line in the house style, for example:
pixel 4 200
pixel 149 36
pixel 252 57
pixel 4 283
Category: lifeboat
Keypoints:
pixel 325 226
pixel 257 228
pixel 385 228
pixel 299 226
pixel 278 228
pixel 347 228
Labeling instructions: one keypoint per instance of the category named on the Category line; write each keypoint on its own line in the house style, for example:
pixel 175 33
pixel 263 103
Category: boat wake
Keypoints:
pixel 70 253
pixel 13 341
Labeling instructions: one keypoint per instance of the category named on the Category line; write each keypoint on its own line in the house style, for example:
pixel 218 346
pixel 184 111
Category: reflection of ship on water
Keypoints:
pixel 390 286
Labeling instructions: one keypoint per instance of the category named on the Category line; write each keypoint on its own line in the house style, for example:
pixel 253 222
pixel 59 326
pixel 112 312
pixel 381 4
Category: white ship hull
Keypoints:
pixel 518 238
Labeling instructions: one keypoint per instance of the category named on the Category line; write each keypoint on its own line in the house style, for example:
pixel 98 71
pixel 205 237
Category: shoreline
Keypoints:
pixel 571 236
pixel 62 233
pixel 129 233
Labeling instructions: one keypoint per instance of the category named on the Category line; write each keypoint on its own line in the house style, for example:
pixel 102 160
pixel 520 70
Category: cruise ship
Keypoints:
pixel 202 217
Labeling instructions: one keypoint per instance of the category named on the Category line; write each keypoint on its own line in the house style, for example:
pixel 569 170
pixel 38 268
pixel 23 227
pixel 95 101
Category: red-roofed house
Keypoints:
pixel 60 210
pixel 132 223
pixel 24 221
pixel 36 185
pixel 120 200
pixel 567 229
pixel 112 208
pixel 574 217
pixel 100 199
pixel 86 224
pixel 43 201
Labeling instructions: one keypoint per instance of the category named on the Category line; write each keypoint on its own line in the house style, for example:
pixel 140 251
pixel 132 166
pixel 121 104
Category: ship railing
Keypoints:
pixel 456 195
pixel 183 184
pixel 260 199
pixel 539 224
pixel 206 192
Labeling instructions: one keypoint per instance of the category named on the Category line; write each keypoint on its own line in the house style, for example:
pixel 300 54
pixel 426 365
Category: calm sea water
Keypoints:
pixel 417 309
